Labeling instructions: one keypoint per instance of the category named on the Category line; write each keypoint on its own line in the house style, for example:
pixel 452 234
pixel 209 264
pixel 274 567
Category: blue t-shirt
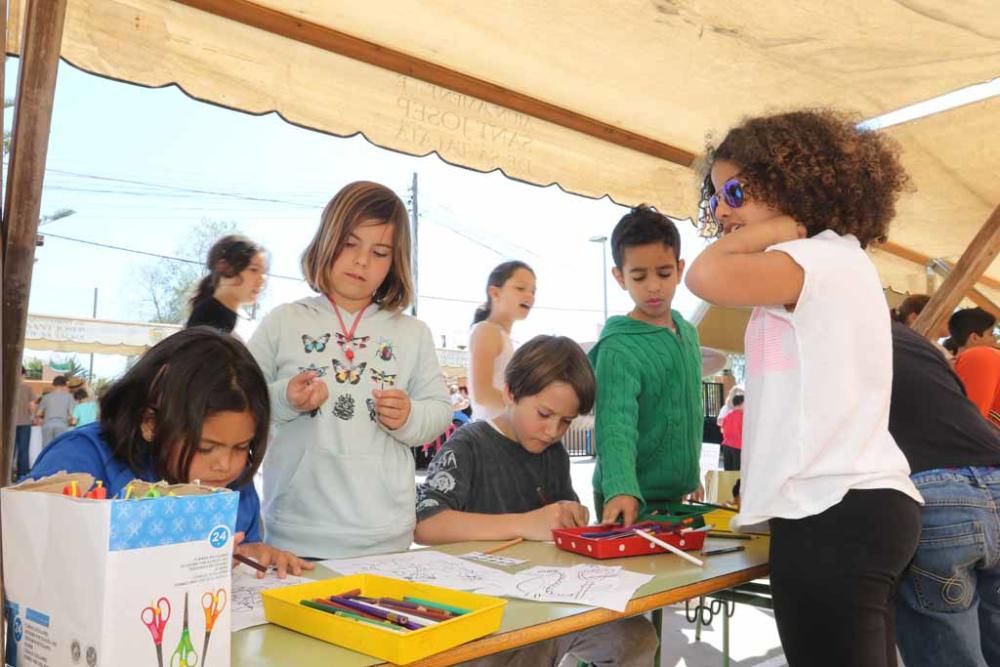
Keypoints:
pixel 85 450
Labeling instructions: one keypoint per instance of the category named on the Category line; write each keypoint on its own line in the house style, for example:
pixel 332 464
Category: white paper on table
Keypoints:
pixel 429 567
pixel 246 605
pixel 591 585
pixel 492 559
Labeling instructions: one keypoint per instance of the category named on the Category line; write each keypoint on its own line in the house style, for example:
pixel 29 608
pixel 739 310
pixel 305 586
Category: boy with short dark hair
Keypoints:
pixel 509 477
pixel 978 360
pixel 648 366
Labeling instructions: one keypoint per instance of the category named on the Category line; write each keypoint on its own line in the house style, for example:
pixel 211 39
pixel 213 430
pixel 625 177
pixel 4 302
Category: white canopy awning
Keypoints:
pixel 67 334
pixel 628 90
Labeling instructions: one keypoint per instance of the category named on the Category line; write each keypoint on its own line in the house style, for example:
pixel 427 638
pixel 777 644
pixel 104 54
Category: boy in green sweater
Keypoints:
pixel 648 369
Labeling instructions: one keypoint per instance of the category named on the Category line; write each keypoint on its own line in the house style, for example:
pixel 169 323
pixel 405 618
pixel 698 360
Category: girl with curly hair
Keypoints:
pixel 795 198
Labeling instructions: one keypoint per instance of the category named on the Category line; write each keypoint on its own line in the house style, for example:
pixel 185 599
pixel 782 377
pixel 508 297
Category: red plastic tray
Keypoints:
pixel 568 539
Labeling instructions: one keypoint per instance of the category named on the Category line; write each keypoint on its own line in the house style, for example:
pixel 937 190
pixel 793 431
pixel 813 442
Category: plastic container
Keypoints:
pixel 569 539
pixel 282 607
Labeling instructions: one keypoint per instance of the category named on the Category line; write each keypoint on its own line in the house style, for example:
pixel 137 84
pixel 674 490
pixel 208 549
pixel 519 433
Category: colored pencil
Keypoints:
pixel 669 547
pixel 251 562
pixel 730 536
pixel 436 605
pixel 415 608
pixel 727 550
pixel 501 547
pixel 354 617
pixel 390 616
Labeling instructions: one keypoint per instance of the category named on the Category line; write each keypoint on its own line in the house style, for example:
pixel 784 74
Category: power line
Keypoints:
pixel 151 254
pixel 184 260
pixel 177 188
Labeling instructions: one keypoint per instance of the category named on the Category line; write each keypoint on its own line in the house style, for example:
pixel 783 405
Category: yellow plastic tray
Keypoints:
pixel 281 606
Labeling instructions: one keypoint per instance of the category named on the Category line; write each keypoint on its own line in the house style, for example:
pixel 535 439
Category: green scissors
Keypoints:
pixel 184 655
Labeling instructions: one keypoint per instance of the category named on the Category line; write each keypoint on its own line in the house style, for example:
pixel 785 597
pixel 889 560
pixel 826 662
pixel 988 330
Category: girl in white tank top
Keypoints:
pixel 510 295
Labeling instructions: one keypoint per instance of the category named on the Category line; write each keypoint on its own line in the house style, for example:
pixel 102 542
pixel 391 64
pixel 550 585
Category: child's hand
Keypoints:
pixel 283 561
pixel 392 407
pixel 306 392
pixel 563 514
pixel 696 496
pixel 625 506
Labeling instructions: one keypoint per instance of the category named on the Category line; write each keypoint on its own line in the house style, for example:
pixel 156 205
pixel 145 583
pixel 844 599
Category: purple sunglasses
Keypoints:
pixel 732 191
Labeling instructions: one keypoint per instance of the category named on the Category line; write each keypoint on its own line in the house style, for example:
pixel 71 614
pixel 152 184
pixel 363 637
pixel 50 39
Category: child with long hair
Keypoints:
pixel 193 408
pixel 510 295
pixel 796 197
pixel 237 269
pixel 354 385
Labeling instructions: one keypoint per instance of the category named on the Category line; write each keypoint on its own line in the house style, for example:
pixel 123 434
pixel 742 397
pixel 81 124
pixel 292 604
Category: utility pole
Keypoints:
pixel 90 377
pixel 415 242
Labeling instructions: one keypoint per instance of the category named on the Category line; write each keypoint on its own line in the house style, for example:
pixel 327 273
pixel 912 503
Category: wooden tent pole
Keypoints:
pixel 300 30
pixel 40 44
pixel 977 258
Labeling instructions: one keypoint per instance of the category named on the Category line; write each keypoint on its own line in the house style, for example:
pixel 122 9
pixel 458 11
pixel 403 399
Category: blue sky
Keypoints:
pixel 167 145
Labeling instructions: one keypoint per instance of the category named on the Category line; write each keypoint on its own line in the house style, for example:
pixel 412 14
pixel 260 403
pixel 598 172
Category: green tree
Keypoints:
pixel 166 285
pixel 34 367
pixel 70 368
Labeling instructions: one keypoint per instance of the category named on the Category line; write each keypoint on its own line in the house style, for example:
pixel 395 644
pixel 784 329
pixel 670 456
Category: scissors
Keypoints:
pixel 155 618
pixel 212 604
pixel 184 655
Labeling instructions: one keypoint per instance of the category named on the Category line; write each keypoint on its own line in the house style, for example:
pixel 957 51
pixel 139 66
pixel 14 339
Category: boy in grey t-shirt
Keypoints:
pixel 55 410
pixel 509 477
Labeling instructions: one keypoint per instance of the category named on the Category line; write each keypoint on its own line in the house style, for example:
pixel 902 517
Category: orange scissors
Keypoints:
pixel 212 604
pixel 155 618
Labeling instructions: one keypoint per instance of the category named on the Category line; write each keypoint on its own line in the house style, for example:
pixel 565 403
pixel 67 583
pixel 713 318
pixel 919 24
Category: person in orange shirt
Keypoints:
pixel 978 360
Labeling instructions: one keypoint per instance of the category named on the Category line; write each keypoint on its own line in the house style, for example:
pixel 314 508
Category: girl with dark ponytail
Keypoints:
pixel 510 294
pixel 236 272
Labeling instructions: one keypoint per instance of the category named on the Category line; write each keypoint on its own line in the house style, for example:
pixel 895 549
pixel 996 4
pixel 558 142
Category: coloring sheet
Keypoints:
pixel 591 585
pixel 429 567
pixel 247 606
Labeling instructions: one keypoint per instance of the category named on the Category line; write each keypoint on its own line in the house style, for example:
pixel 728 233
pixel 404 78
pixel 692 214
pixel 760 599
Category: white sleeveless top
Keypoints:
pixel 818 386
pixel 480 412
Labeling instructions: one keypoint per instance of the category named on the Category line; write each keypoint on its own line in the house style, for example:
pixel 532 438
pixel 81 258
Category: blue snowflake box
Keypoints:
pixel 93 581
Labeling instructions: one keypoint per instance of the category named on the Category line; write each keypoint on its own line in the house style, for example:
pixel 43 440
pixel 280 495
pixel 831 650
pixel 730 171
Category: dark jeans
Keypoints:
pixel 834 575
pixel 22 444
pixel 731 458
pixel 949 603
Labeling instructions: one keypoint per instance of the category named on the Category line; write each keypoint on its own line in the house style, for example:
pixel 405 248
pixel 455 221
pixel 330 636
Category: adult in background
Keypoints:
pixel 237 268
pixel 948 604
pixel 22 431
pixel 907 312
pixel 55 410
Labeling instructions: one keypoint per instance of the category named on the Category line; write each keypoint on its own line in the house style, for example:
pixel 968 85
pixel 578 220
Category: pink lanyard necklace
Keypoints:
pixel 348 334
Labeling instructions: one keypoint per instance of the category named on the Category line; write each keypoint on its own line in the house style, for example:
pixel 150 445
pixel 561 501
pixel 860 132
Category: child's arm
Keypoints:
pixel 449 526
pixel 485 346
pixel 289 397
pixel 736 270
pixel 444 495
pixel 617 434
pixel 423 411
